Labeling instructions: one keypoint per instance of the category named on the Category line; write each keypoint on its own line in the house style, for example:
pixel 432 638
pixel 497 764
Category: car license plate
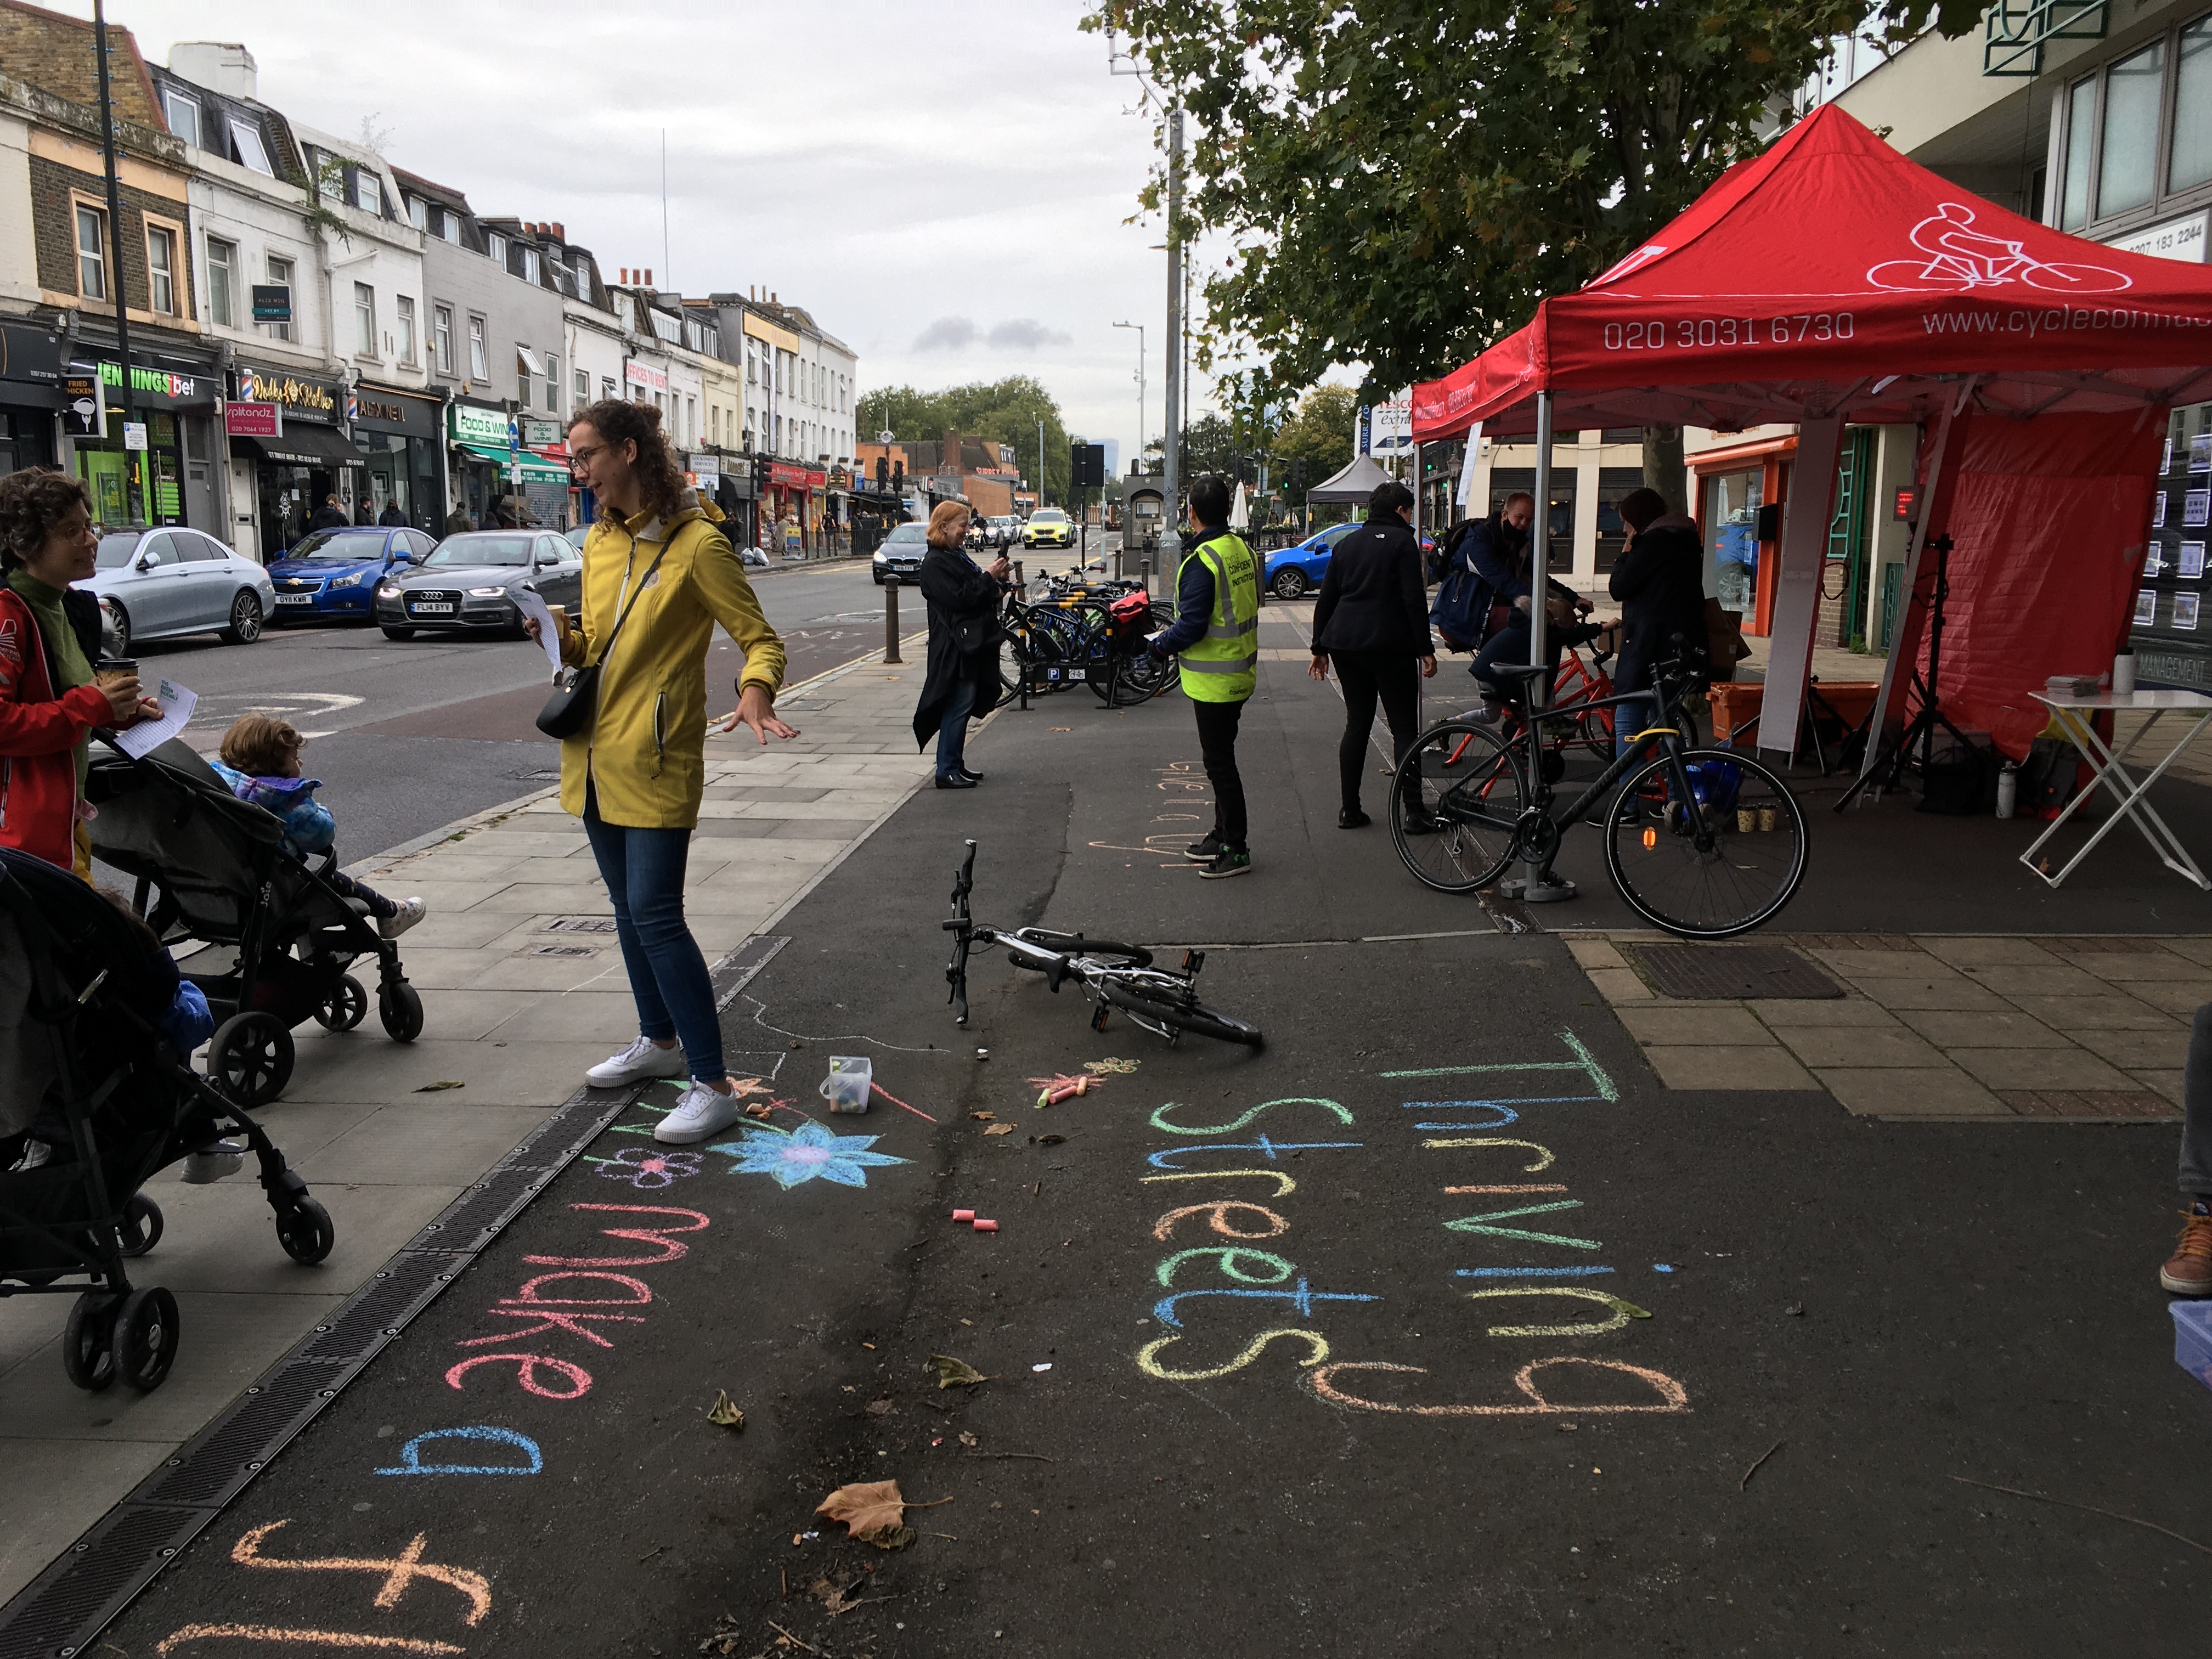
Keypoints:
pixel 420 608
pixel 296 599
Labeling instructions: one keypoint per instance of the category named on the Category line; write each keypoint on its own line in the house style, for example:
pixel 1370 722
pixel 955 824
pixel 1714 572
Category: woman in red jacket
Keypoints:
pixel 48 701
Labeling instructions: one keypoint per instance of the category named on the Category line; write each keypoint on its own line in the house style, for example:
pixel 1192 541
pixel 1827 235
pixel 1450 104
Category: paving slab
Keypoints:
pixel 2038 1068
pixel 1857 1045
pixel 1902 1092
pixel 1949 1028
pixel 2108 1012
pixel 1721 1023
pixel 1758 1068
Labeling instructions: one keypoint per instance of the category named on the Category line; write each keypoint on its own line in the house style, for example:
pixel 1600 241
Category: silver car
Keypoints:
pixel 158 584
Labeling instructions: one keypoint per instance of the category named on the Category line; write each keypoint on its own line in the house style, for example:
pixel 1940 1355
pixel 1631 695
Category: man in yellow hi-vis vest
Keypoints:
pixel 1217 633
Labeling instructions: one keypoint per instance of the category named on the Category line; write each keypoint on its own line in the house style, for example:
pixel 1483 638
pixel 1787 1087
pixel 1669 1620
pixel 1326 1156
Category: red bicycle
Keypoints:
pixel 1567 719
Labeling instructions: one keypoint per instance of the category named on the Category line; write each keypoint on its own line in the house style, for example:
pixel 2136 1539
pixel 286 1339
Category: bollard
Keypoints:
pixel 892 657
pixel 1144 571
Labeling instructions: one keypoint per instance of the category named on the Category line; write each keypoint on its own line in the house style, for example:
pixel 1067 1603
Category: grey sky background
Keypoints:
pixel 942 187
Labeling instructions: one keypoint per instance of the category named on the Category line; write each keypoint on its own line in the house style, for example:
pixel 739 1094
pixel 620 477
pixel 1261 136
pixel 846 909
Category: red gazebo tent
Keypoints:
pixel 1830 280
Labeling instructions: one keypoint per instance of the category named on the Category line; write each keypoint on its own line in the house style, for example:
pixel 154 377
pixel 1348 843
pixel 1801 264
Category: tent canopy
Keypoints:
pixel 1831 277
pixel 1356 483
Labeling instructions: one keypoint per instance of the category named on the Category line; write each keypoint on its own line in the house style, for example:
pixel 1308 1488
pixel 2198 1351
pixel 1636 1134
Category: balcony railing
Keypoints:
pixel 2015 31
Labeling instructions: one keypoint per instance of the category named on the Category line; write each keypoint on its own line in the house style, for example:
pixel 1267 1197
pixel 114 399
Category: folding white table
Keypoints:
pixel 2073 715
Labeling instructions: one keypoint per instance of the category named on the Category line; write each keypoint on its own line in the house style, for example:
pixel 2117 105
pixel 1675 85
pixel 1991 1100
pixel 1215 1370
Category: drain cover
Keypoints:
pixel 581 925
pixel 1734 972
pixel 566 951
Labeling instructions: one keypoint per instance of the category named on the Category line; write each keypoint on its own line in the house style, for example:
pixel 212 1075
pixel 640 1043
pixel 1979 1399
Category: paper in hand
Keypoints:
pixel 533 603
pixel 177 705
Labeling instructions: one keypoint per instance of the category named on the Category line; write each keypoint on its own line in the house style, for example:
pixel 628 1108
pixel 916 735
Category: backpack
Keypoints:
pixel 1461 611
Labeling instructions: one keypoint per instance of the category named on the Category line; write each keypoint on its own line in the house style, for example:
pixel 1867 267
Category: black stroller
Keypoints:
pixel 83 989
pixel 275 937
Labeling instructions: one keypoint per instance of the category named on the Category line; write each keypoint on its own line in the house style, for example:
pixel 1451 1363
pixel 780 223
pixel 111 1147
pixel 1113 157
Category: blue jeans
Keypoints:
pixel 643 869
pixel 1639 714
pixel 953 730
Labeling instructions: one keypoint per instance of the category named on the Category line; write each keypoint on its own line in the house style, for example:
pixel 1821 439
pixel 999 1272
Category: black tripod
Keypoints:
pixel 1888 768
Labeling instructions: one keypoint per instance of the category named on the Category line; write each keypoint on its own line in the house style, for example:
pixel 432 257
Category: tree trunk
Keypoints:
pixel 1663 469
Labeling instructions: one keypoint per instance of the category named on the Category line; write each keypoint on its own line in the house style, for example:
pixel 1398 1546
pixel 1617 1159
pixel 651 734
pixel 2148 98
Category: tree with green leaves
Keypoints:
pixel 1321 432
pixel 1404 181
pixel 1002 411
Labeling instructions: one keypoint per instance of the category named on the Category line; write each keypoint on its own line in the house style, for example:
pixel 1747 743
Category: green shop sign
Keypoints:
pixel 484 427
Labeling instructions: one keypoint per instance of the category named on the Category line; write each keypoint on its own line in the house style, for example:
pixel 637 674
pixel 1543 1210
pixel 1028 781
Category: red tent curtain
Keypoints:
pixel 2049 519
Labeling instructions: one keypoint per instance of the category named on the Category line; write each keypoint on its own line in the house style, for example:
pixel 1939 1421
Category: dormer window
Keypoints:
pixel 247 148
pixel 368 193
pixel 532 271
pixel 418 214
pixel 183 113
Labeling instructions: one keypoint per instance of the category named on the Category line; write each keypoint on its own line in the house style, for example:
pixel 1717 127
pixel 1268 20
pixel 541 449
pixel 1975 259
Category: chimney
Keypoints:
pixel 773 301
pixel 560 230
pixel 222 66
pixel 648 276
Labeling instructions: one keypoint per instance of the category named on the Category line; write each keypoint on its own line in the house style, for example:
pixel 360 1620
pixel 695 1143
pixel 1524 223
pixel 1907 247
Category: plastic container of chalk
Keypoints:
pixel 2192 1339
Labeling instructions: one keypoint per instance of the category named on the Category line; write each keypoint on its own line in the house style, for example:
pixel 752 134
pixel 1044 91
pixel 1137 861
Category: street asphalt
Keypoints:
pixel 410 736
pixel 1436 1328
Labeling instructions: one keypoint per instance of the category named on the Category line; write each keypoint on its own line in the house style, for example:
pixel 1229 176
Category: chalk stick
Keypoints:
pixel 963 1215
pixel 983 1227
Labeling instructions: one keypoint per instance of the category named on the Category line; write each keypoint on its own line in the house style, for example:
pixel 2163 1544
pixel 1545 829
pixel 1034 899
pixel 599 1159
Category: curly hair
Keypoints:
pixel 32 502
pixel 260 745
pixel 659 479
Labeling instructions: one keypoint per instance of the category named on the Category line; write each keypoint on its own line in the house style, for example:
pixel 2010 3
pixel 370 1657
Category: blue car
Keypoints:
pixel 1295 571
pixel 334 573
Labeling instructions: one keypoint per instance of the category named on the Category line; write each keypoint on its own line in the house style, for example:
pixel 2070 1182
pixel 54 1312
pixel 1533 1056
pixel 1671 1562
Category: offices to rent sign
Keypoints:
pixel 652 379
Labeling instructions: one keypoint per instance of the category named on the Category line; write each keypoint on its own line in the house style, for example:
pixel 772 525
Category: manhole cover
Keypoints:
pixel 561 951
pixel 581 925
pixel 1735 972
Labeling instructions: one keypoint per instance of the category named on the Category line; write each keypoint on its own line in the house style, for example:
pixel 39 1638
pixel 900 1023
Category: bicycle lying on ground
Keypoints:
pixel 1702 842
pixel 1162 1001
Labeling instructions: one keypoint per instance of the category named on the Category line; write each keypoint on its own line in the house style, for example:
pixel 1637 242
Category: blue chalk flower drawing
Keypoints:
pixel 809 1153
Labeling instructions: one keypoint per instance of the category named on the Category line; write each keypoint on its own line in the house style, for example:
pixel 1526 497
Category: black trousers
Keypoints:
pixel 1367 676
pixel 1217 749
pixel 1510 645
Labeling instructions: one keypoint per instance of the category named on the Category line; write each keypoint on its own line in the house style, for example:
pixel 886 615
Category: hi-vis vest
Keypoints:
pixel 1223 668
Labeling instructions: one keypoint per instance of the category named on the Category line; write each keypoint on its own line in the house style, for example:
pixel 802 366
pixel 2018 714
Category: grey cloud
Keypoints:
pixel 1026 334
pixel 948 334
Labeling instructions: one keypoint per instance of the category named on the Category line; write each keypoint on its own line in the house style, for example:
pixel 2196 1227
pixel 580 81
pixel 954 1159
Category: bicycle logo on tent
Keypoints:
pixel 1961 258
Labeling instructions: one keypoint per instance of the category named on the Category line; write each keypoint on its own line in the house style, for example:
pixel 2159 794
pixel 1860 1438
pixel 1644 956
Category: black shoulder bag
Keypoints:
pixel 576 697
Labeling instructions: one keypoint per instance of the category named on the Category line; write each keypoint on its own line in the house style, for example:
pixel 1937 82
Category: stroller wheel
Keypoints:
pixel 401 1010
pixel 88 1341
pixel 305 1231
pixel 146 1338
pixel 250 1058
pixel 344 1008
pixel 142 1225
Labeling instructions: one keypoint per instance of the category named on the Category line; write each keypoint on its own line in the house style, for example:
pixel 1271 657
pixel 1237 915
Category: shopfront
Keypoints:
pixel 30 396
pixel 476 437
pixel 163 476
pixel 401 436
pixel 792 493
pixel 293 461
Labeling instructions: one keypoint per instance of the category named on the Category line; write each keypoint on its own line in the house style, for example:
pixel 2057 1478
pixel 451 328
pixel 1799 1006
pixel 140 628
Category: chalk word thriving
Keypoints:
pixel 410 1455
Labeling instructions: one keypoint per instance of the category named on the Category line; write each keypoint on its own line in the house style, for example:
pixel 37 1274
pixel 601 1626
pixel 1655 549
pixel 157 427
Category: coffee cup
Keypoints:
pixel 113 670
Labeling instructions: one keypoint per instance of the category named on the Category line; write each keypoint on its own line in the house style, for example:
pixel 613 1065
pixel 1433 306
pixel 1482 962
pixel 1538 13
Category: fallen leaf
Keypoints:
pixel 723 1414
pixel 984 1117
pixel 880 1408
pixel 1795 1309
pixel 1000 1129
pixel 443 1083
pixel 836 1595
pixel 968 1439
pixel 1046 1140
pixel 759 1110
pixel 888 1538
pixel 955 1373
pixel 864 1507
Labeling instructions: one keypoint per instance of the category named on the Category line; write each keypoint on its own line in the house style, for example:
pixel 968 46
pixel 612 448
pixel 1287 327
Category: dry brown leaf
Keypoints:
pixel 966 1439
pixel 837 1595
pixel 984 1117
pixel 955 1373
pixel 888 1538
pixel 864 1507
pixel 723 1413
pixel 880 1408
pixel 1000 1129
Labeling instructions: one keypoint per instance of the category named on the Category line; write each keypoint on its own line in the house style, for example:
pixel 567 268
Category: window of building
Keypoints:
pixel 246 147
pixel 183 113
pixel 449 226
pixel 161 269
pixel 2127 170
pixel 368 193
pixel 2192 108
pixel 691 421
pixel 522 374
pixel 364 316
pixel 552 383
pixel 441 338
pixel 2081 134
pixel 752 367
pixel 607 387
pixel 404 310
pixel 91 252
pixel 479 364
pixel 583 387
pixel 223 270
pixel 330 176
pixel 280 275
pixel 532 270
pixel 418 213
pixel 495 251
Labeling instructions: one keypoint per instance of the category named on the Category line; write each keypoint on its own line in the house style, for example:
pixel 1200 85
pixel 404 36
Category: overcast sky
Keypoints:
pixel 942 187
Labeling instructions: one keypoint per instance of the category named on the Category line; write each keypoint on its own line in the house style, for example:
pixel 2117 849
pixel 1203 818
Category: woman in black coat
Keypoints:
pixel 1659 578
pixel 1372 620
pixel 962 679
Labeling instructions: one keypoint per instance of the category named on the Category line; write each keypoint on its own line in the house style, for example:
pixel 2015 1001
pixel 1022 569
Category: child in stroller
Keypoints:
pixel 84 996
pixel 265 934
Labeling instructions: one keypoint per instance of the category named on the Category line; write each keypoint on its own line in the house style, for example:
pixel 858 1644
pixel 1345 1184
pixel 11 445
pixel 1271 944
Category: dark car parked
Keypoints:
pixel 335 573
pixel 469 583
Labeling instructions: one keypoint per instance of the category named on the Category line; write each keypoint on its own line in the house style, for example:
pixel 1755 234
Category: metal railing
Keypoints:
pixel 2015 31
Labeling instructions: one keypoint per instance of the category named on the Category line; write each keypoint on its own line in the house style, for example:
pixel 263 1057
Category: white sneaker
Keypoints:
pixel 411 910
pixel 213 1161
pixel 643 1059
pixel 36 1156
pixel 702 1112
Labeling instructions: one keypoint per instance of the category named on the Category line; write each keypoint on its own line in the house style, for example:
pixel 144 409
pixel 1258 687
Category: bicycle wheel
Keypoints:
pixel 1594 732
pixel 1182 1016
pixel 1456 803
pixel 1707 843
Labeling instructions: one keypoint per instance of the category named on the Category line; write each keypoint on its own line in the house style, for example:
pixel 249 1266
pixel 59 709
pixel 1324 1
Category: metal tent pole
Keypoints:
pixel 1539 886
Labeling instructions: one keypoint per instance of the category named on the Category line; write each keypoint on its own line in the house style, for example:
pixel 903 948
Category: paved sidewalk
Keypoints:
pixel 519 1000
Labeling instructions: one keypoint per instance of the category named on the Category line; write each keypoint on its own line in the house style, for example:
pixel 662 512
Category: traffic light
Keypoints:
pixel 898 476
pixel 1298 473
pixel 883 471
pixel 1087 464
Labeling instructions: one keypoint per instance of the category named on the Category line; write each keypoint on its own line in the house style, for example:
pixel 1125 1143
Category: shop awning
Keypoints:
pixel 303 445
pixel 536 469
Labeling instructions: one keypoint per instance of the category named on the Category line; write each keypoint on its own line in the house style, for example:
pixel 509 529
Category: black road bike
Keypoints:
pixel 1162 1001
pixel 1702 842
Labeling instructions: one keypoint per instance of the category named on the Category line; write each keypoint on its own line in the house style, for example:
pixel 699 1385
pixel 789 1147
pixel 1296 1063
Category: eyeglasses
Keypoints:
pixel 580 455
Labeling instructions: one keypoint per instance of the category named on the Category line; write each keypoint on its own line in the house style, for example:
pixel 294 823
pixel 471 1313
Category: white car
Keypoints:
pixel 158 584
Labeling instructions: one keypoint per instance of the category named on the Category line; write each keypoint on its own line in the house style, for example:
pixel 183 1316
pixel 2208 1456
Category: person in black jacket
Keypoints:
pixel 961 682
pixel 1503 561
pixel 1660 580
pixel 330 516
pixel 1372 622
